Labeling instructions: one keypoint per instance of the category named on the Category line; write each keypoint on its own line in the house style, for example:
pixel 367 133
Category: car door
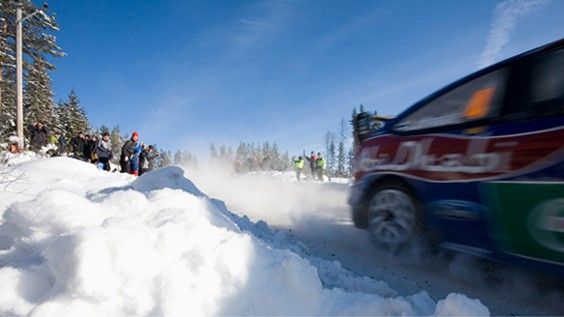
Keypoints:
pixel 446 147
pixel 527 209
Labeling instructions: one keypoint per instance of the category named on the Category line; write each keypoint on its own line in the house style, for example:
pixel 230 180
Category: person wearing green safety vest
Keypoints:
pixel 320 165
pixel 299 166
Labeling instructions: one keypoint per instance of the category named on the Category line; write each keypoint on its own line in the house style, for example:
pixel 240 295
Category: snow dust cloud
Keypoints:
pixel 273 197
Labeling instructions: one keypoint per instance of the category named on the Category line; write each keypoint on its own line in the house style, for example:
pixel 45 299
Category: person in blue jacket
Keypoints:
pixel 134 168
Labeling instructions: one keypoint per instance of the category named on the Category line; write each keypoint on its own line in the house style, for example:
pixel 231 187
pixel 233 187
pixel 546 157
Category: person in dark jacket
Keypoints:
pixel 152 155
pixel 127 152
pixel 143 162
pixel 93 144
pixel 62 143
pixel 104 151
pixel 77 145
pixel 87 149
pixel 38 136
pixel 147 159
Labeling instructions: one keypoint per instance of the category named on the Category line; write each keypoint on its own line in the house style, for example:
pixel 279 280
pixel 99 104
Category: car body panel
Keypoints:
pixel 478 181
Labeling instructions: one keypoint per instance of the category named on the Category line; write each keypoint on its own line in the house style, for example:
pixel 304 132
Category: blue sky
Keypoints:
pixel 188 73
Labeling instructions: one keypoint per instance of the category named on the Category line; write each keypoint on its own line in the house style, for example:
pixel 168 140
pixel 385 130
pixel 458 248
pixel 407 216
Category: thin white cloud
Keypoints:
pixel 269 19
pixel 505 17
pixel 255 23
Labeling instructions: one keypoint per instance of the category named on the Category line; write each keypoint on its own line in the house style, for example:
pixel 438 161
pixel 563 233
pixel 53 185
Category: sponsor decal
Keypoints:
pixel 416 155
pixel 456 209
pixel 455 158
pixel 546 224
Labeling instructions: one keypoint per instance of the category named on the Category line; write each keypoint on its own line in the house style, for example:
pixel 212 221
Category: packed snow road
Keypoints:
pixel 317 215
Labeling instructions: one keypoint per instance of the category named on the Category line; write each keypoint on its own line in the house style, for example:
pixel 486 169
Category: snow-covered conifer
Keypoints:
pixel 38 99
pixel 73 116
pixel 38 44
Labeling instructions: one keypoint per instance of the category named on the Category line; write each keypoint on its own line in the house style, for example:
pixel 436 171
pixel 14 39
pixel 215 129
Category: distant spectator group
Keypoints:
pixel 317 165
pixel 136 158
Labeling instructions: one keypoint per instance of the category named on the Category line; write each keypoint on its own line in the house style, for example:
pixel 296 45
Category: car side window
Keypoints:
pixel 477 99
pixel 547 84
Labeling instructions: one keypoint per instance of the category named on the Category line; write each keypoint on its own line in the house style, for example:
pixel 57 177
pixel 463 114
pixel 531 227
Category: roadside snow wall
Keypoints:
pixel 160 247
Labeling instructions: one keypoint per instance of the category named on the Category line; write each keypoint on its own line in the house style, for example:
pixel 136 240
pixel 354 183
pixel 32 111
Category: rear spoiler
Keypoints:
pixel 365 123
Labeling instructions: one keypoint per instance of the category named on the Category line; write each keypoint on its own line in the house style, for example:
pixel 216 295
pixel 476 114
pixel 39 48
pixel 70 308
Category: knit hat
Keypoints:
pixel 135 134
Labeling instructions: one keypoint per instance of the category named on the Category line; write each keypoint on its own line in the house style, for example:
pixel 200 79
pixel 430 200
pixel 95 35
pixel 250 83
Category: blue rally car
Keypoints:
pixel 478 165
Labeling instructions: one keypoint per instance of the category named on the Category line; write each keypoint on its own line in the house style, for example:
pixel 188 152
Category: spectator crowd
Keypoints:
pixel 136 158
pixel 317 166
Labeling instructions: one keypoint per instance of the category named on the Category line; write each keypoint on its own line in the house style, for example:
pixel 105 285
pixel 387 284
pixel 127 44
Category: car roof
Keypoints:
pixel 539 50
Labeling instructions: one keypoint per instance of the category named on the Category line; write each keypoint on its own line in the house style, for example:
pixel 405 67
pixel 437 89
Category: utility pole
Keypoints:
pixel 2 39
pixel 19 79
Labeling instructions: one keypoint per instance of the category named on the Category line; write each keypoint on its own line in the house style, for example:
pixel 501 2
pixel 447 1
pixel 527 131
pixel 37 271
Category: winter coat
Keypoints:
pixel 128 150
pixel 320 163
pixel 104 149
pixel 62 142
pixel 143 161
pixel 53 140
pixel 88 149
pixel 312 159
pixel 77 145
pixel 299 164
pixel 152 158
pixel 38 136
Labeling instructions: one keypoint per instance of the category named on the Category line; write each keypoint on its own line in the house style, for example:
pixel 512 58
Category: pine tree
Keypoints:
pixel 7 84
pixel 178 158
pixel 266 158
pixel 241 158
pixel 7 106
pixel 166 158
pixel 117 142
pixel 230 154
pixel 222 152
pixel 331 161
pixel 341 156
pixel 276 163
pixel 350 162
pixel 330 151
pixel 74 118
pixel 38 100
pixel 38 44
pixel 355 139
pixel 104 129
pixel 213 152
pixel 285 162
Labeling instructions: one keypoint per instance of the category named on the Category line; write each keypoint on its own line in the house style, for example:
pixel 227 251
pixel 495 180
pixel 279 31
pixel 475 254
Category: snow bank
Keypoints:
pixel 98 244
pixel 460 305
pixel 16 158
pixel 25 176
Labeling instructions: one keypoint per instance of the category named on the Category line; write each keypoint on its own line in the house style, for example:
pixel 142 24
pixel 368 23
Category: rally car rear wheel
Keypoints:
pixel 393 217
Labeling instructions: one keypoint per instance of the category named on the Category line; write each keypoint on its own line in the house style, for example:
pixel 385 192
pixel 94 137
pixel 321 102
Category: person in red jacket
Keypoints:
pixel 312 159
pixel 127 153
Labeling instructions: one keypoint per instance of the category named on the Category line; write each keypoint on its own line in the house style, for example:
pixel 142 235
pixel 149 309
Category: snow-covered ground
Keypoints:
pixel 316 214
pixel 78 241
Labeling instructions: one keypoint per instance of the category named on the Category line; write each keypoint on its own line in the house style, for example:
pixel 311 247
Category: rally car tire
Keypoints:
pixel 394 216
